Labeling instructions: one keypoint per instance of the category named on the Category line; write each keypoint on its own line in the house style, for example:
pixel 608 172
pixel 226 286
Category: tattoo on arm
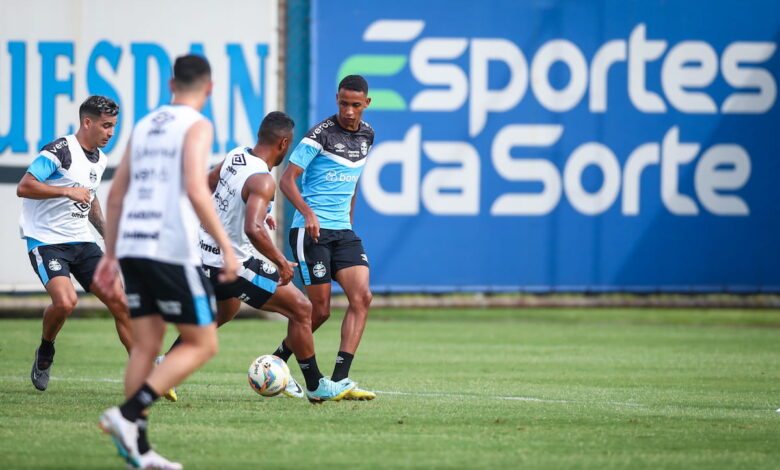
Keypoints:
pixel 96 217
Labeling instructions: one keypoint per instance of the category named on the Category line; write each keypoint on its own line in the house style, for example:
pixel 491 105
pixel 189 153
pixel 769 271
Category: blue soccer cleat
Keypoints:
pixel 329 390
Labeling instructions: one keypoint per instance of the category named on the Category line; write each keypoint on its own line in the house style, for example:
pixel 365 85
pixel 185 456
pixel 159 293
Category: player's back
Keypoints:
pixel 158 221
pixel 238 166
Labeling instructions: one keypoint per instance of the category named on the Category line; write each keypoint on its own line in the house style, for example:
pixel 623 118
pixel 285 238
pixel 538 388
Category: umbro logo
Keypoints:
pixel 339 360
pixel 239 160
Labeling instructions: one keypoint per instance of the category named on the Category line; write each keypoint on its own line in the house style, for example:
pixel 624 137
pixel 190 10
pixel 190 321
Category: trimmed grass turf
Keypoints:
pixel 620 389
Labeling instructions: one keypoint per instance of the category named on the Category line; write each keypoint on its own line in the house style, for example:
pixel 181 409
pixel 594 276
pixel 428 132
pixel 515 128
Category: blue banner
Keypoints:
pixel 563 145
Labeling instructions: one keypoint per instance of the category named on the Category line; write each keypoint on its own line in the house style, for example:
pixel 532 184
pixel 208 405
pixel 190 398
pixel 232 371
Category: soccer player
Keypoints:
pixel 59 199
pixel 329 161
pixel 159 194
pixel 243 189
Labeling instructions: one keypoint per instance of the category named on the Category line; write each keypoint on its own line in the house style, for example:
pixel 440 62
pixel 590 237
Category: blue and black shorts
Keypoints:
pixel 333 251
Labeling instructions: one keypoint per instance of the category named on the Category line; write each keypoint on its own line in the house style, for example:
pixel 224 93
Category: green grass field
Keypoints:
pixel 457 389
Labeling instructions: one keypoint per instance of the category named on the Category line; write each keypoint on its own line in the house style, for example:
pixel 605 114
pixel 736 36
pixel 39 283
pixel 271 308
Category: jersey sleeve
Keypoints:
pixel 305 152
pixel 43 167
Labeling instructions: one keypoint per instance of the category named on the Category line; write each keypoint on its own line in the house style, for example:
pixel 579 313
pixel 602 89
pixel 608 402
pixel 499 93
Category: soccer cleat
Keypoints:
pixel 40 377
pixel 293 389
pixel 170 394
pixel 124 433
pixel 359 394
pixel 156 461
pixel 329 390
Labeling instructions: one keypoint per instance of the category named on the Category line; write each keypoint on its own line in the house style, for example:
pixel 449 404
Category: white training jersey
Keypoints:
pixel 61 220
pixel 158 221
pixel 238 166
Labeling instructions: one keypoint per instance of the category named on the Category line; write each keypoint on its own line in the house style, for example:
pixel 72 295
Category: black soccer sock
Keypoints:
pixel 343 363
pixel 177 342
pixel 45 354
pixel 311 372
pixel 143 441
pixel 142 400
pixel 283 352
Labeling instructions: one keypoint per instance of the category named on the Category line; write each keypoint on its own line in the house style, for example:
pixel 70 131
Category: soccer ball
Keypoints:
pixel 268 375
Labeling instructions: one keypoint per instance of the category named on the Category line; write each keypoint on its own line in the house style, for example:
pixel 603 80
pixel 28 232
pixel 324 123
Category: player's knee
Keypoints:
pixel 363 300
pixel 302 312
pixel 319 316
pixel 65 304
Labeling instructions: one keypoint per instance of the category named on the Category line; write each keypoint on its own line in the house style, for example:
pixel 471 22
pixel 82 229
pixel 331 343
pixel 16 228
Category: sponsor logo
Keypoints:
pixel 144 215
pixel 319 270
pixel 364 148
pixel 238 160
pixel 339 148
pixel 169 307
pixel 334 176
pixel 134 300
pixel 721 171
pixel 159 121
pixel 318 130
pixel 54 265
pixel 137 235
pixel 92 175
pixel 244 298
pixel 210 248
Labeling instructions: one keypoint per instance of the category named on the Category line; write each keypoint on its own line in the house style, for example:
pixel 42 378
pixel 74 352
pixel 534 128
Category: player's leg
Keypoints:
pixel 354 281
pixel 314 268
pixel 290 302
pixel 87 256
pixel 51 264
pixel 350 265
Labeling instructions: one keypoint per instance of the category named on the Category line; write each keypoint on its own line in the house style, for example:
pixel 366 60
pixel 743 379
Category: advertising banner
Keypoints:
pixel 563 145
pixel 54 54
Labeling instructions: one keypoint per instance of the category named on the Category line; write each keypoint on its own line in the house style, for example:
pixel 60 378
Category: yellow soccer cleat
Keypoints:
pixel 170 395
pixel 359 394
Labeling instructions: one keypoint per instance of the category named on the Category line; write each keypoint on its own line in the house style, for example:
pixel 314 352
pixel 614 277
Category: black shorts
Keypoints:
pixel 180 293
pixel 79 259
pixel 334 251
pixel 256 282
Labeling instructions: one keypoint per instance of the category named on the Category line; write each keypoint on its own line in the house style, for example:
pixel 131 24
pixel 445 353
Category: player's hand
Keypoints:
pixel 286 272
pixel 271 222
pixel 312 226
pixel 79 195
pixel 230 270
pixel 105 277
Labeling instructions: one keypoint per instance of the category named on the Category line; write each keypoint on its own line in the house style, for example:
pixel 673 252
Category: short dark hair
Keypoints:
pixel 274 125
pixel 97 105
pixel 190 69
pixel 354 83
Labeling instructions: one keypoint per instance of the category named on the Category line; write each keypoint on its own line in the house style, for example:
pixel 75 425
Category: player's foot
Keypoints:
pixel 329 390
pixel 293 389
pixel 358 393
pixel 40 377
pixel 154 460
pixel 170 394
pixel 124 433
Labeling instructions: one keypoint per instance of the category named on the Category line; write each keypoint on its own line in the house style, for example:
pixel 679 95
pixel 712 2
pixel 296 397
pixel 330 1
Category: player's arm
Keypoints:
pixel 31 187
pixel 352 207
pixel 259 189
pixel 96 216
pixel 197 143
pixel 107 270
pixel 291 192
pixel 214 176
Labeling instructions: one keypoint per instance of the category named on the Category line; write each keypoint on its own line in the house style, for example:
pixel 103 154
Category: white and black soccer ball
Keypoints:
pixel 268 375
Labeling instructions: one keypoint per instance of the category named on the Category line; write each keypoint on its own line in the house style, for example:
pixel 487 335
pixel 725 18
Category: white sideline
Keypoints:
pixel 413 394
